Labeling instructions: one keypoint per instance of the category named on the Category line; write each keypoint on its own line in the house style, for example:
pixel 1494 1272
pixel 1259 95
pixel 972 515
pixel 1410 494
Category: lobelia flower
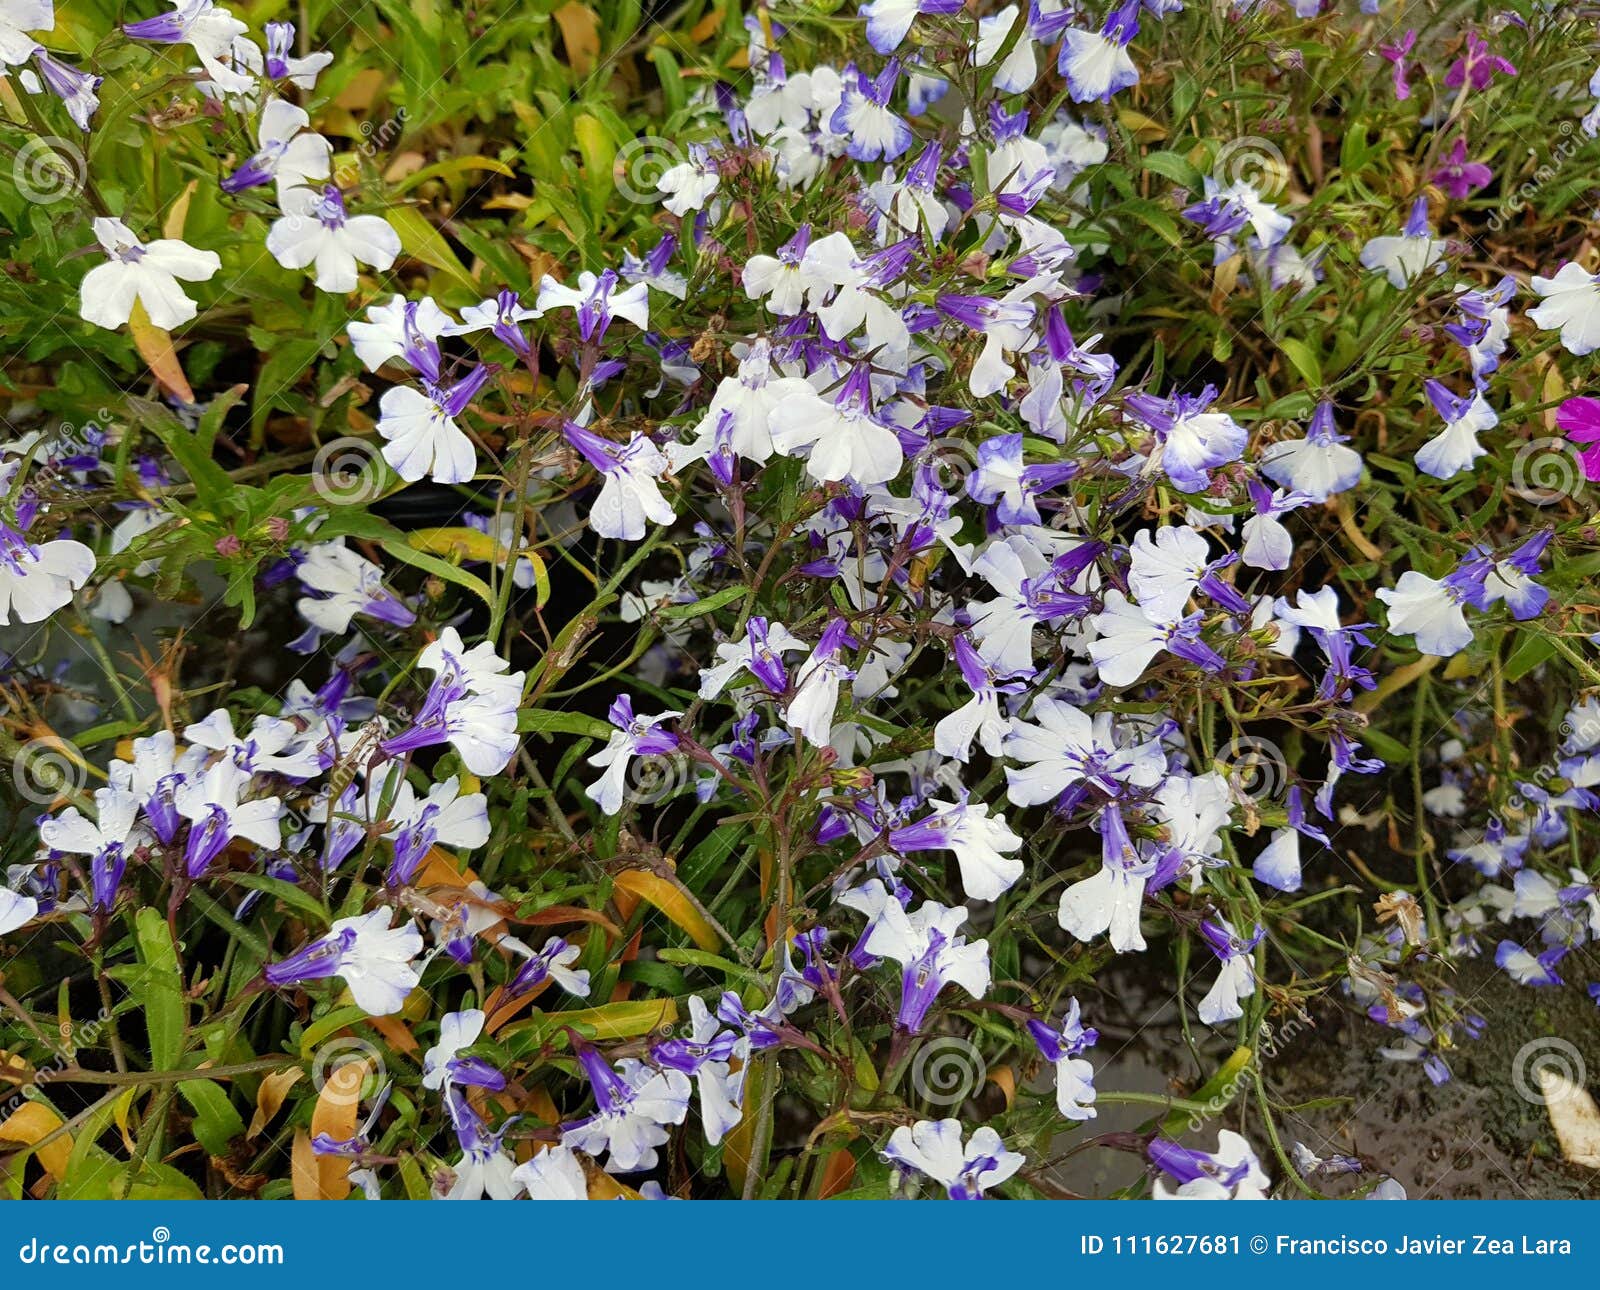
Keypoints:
pixel 690 184
pixel 346 583
pixel 1510 579
pixel 1579 420
pixel 865 119
pixel 146 273
pixel 216 816
pixel 472 705
pixel 1484 325
pixel 282 66
pixel 1002 481
pixel 1063 1048
pixel 705 1055
pixel 17 19
pixel 443 1065
pixel 928 946
pixel 287 151
pixel 1129 637
pixel 555 1173
pixel 422 437
pixel 655 271
pixel 503 316
pixel 553 961
pixel 742 409
pixel 633 1105
pixel 888 21
pixel 635 736
pixel 78 91
pixel 845 440
pixel 760 653
pixel 402 329
pixel 1067 750
pixel 980 844
pixel 1166 570
pixel 934 1149
pixel 1267 543
pixel 315 232
pixel 1319 465
pixel 980 717
pixel 1571 301
pixel 210 31
pixel 1096 64
pixel 816 696
pixel 1397 54
pixel 1456 447
pixel 1404 259
pixel 1110 900
pixel 107 841
pixel 374 959
pixel 629 493
pixel 1527 968
pixel 36 579
pixel 597 302
pixel 1458 176
pixel 1020 68
pixel 858 304
pixel 1430 610
pixel 16 910
pixel 1191 441
pixel 1237 979
pixel 1231 1172
pixel 1477 65
pixel 484 1170
pixel 1006 326
pixel 446 816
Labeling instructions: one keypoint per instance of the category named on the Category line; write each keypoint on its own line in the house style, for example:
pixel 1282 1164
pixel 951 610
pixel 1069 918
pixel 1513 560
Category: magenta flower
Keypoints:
pixel 1477 65
pixel 1458 176
pixel 1396 54
pixel 1579 418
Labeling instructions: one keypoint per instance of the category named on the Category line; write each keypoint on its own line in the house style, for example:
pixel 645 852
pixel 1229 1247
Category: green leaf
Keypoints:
pixel 159 989
pixel 564 723
pixel 216 1122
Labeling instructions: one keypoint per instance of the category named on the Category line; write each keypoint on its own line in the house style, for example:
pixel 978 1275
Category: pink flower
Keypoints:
pixel 1477 65
pixel 1580 419
pixel 1396 54
pixel 1458 176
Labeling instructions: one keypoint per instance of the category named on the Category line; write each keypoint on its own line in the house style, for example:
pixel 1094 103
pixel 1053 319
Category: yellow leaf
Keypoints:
pixel 1141 126
pixel 32 1122
pixel 155 347
pixel 580 33
pixel 668 895
pixel 269 1097
pixel 336 1113
pixel 623 1020
pixel 119 1113
pixel 467 543
pixel 179 213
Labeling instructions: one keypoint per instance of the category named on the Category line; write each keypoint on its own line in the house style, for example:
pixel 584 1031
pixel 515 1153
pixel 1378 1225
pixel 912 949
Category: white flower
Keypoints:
pixel 289 151
pixel 17 19
pixel 422 436
pixel 1428 609
pixel 689 184
pixel 146 273
pixel 1570 301
pixel 16 910
pixel 37 579
pixel 553 1174
pixel 211 33
pixel 378 966
pixel 1403 259
pixel 316 231
pixel 934 1148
